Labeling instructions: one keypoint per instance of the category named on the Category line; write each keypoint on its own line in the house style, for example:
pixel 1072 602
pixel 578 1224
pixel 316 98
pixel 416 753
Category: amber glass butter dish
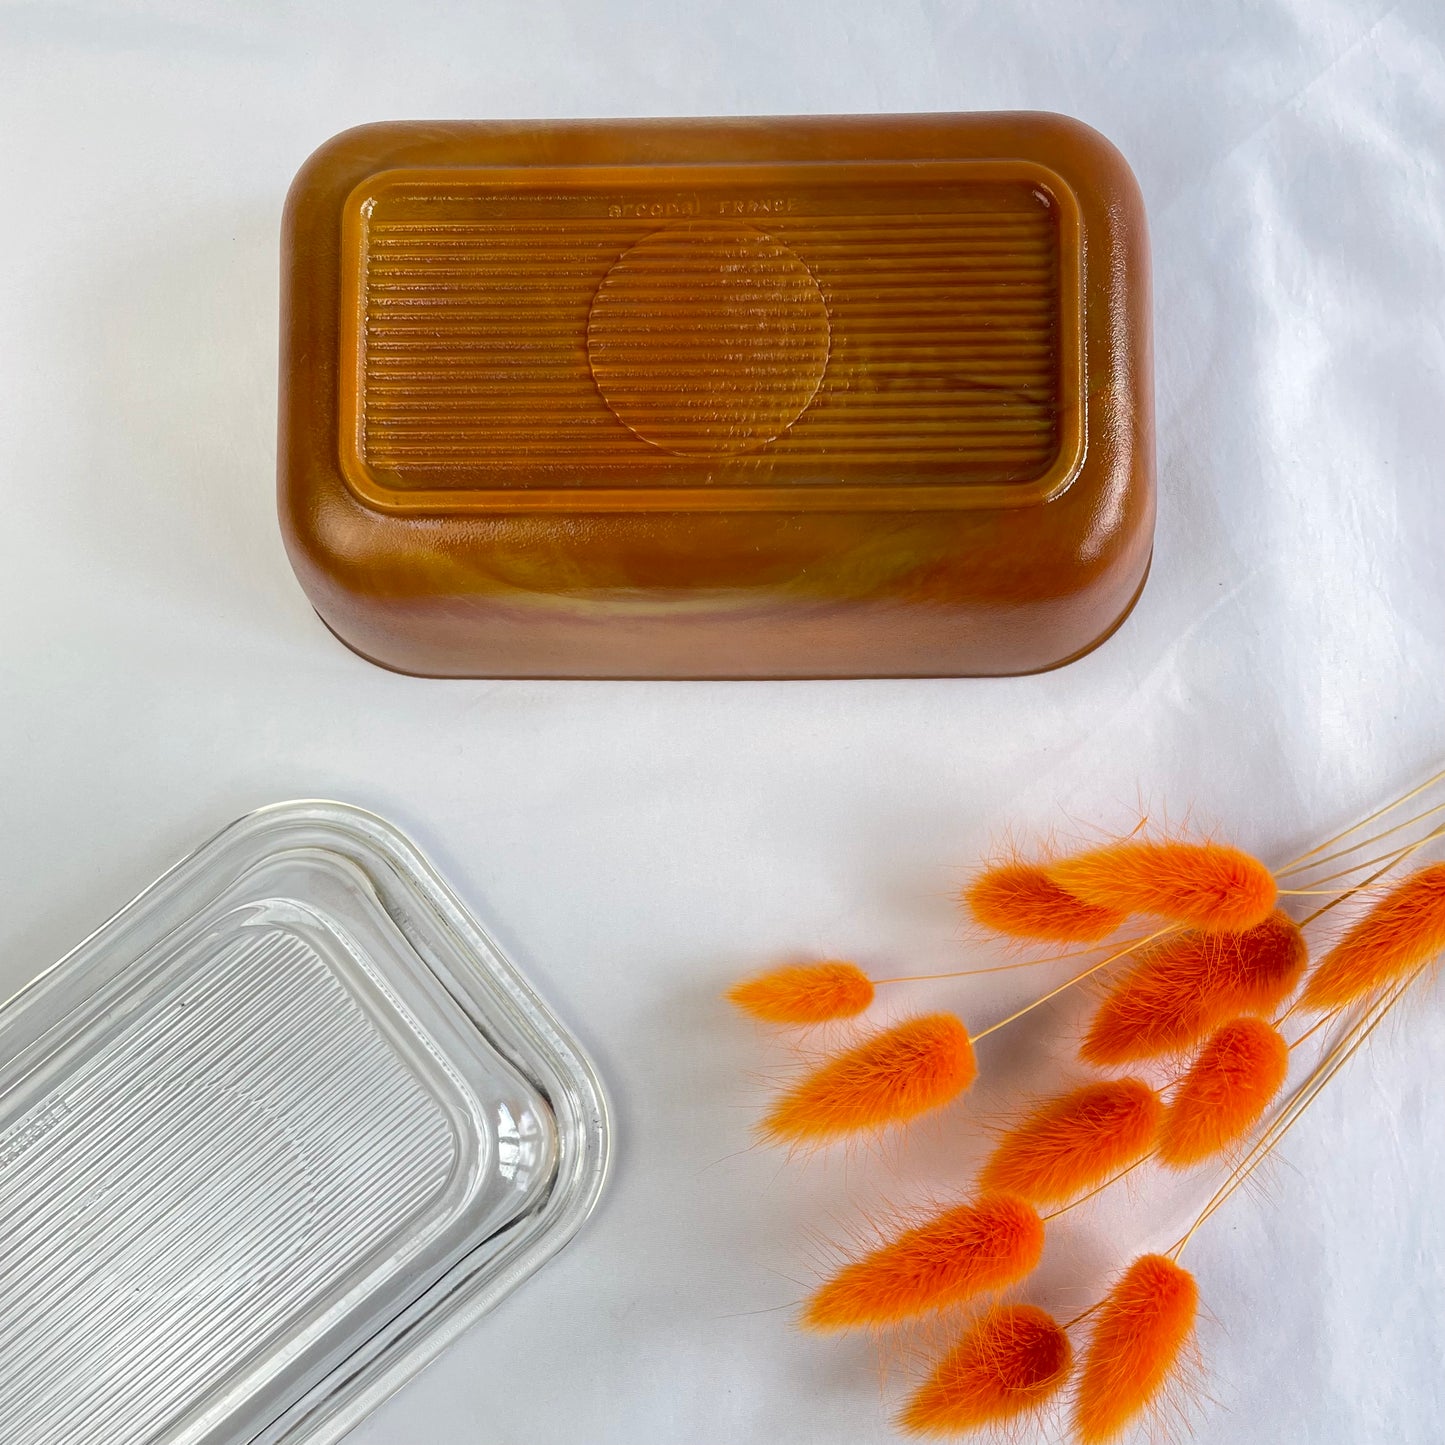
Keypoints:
pixel 824 397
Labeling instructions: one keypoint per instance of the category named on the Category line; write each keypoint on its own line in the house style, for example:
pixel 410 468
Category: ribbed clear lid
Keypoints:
pixel 269 1139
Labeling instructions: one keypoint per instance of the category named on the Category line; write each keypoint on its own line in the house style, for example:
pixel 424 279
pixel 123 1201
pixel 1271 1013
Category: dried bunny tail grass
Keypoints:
pixel 1403 930
pixel 890 1078
pixel 1136 1344
pixel 1188 984
pixel 1075 1141
pixel 1334 1059
pixel 970 1249
pixel 1235 1078
pixel 1203 885
pixel 805 993
pixel 1012 1360
pixel 1023 901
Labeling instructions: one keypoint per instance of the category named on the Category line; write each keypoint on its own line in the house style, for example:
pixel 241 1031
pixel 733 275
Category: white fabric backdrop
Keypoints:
pixel 637 846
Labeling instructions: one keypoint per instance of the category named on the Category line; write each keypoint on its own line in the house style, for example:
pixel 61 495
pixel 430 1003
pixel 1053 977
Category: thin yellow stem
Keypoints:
pixel 1393 856
pixel 1364 843
pixel 1080 1318
pixel 1325 1070
pixel 1077 978
pixel 1274 1138
pixel 1234 1180
pixel 1310 1032
pixel 1335 902
pixel 1308 1091
pixel 1364 822
pixel 1100 1188
pixel 996 968
pixel 1364 883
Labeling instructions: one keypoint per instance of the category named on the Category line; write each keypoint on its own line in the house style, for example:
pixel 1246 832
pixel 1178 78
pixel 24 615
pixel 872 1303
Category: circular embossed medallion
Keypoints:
pixel 706 341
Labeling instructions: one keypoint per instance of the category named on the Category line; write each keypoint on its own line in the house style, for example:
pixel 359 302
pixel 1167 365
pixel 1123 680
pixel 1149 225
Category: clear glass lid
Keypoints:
pixel 269 1139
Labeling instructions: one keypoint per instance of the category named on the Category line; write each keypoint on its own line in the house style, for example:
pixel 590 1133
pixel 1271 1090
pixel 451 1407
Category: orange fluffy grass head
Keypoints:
pixel 1073 1142
pixel 1022 901
pixel 1236 1075
pixel 1185 985
pixel 1012 1360
pixel 1136 1346
pixel 1405 929
pixel 970 1249
pixel 1203 885
pixel 890 1078
pixel 805 993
